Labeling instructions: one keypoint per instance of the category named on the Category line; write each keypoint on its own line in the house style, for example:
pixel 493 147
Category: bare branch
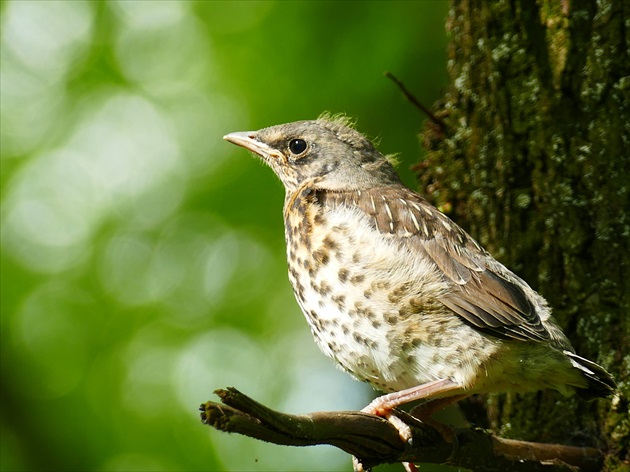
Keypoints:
pixel 375 441
pixel 412 98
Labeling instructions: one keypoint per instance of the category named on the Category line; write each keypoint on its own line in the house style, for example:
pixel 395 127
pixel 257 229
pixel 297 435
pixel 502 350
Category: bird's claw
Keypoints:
pixel 404 431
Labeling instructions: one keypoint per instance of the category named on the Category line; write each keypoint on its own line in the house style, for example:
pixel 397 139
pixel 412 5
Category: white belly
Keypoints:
pixel 376 313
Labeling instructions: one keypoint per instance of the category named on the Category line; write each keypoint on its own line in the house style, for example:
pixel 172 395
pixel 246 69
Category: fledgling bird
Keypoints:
pixel 394 291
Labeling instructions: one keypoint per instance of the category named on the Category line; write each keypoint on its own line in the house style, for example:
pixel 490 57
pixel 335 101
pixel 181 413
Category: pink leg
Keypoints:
pixel 383 405
pixel 426 410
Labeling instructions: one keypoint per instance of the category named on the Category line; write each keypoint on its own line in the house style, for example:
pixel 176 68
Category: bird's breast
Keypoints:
pixel 371 304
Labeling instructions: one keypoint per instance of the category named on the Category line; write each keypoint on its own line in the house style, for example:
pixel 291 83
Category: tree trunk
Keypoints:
pixel 535 163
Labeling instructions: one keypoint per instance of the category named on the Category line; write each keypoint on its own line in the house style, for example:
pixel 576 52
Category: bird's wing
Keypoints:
pixel 482 291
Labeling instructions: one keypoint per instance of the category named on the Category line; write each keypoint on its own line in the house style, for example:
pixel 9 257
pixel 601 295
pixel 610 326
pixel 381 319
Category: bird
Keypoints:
pixel 398 294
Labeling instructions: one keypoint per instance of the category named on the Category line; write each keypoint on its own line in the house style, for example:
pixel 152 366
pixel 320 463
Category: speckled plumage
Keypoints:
pixel 393 290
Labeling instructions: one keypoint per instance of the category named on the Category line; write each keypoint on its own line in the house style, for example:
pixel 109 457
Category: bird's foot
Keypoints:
pixel 384 406
pixel 404 431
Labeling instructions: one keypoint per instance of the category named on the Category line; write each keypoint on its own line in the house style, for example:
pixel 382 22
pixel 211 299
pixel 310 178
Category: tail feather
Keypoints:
pixel 599 383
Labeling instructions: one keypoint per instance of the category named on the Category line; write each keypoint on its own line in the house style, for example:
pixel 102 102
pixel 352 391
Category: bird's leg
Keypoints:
pixel 424 411
pixel 428 408
pixel 385 404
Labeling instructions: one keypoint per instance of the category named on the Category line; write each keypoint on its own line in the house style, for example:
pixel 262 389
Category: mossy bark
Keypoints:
pixel 535 163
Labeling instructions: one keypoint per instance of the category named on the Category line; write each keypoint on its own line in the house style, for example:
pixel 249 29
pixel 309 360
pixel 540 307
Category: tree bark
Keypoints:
pixel 535 163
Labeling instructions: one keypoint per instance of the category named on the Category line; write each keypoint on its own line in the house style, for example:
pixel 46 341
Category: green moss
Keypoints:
pixel 535 166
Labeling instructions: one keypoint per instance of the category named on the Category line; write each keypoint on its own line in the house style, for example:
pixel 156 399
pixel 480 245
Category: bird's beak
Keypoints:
pixel 248 140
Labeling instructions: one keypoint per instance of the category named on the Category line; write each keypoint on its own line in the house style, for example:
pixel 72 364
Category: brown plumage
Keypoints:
pixel 480 294
pixel 397 293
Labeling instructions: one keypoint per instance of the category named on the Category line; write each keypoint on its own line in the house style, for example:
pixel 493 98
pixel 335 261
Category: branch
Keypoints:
pixel 374 440
pixel 411 97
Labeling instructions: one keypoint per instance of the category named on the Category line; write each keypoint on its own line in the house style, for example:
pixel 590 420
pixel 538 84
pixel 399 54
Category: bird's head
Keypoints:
pixel 325 153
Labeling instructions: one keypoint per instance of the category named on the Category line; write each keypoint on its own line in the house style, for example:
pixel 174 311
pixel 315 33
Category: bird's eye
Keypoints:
pixel 297 146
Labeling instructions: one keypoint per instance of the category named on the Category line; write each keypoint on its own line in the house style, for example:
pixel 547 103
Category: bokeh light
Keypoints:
pixel 142 256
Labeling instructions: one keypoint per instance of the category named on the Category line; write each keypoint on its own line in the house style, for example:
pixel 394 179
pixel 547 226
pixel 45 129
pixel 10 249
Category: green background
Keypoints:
pixel 142 256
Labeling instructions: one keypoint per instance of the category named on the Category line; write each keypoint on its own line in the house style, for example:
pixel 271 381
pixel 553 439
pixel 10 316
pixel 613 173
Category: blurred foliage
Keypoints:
pixel 143 257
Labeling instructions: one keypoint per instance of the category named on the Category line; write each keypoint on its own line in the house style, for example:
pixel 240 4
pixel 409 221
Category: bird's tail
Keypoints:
pixel 599 383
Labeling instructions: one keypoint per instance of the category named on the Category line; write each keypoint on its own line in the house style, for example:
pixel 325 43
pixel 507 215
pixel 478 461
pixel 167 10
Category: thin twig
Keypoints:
pixel 409 96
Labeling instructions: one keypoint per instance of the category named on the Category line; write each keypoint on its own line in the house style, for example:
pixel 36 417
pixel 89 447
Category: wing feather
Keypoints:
pixel 483 292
